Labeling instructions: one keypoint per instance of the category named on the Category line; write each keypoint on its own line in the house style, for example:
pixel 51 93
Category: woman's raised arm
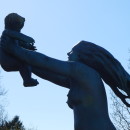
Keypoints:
pixel 37 59
pixel 52 77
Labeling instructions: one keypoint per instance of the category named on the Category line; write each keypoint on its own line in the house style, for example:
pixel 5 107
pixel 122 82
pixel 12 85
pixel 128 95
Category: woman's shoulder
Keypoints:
pixel 81 69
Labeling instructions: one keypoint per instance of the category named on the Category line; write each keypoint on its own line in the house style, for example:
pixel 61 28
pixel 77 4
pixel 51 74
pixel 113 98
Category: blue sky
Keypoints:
pixel 56 25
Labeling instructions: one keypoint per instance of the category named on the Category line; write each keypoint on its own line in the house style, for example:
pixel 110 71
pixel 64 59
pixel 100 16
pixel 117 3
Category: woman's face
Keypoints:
pixel 73 56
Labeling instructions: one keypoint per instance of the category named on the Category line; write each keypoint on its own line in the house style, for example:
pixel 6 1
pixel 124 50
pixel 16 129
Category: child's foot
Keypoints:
pixel 30 83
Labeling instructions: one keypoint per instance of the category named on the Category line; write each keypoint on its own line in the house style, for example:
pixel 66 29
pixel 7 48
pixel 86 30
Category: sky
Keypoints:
pixel 56 26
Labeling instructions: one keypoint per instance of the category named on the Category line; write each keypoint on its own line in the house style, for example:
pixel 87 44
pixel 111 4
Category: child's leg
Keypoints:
pixel 25 71
pixel 10 63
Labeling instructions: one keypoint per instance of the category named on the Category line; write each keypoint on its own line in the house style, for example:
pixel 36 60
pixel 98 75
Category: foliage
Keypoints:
pixel 2 104
pixel 120 113
pixel 14 124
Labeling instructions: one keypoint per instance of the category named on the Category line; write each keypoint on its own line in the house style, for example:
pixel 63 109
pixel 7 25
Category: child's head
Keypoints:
pixel 14 22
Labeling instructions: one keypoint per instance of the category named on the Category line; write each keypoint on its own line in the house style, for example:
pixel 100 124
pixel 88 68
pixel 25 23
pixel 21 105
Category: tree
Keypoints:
pixel 120 113
pixel 2 110
pixel 14 124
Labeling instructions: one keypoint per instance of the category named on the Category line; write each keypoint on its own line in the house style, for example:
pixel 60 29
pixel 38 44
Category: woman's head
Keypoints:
pixel 80 51
pixel 82 47
pixel 73 56
pixel 14 22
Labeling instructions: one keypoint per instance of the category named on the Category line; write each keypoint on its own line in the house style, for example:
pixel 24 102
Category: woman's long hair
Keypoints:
pixel 109 68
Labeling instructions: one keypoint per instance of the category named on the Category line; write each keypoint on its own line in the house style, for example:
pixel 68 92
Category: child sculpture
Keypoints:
pixel 13 25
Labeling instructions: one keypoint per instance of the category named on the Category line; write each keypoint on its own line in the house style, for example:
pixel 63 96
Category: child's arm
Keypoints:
pixel 24 41
pixel 18 36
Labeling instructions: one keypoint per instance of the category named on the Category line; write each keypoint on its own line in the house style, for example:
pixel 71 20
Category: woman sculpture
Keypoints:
pixel 87 95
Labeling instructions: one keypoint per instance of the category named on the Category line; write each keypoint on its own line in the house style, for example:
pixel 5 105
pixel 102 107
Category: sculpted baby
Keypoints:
pixel 13 25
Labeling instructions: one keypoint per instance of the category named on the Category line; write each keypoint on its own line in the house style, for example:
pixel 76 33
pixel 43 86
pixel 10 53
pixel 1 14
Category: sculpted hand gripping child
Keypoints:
pixel 13 25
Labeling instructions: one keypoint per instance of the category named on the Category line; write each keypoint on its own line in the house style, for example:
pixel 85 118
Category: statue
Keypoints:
pixel 13 25
pixel 86 97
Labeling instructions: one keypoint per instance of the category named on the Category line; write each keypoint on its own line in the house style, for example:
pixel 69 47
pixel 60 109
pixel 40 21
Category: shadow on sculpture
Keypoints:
pixel 82 74
pixel 13 25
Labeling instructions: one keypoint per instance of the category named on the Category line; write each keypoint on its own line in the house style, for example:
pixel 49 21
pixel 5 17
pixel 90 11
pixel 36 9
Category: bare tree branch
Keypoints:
pixel 120 113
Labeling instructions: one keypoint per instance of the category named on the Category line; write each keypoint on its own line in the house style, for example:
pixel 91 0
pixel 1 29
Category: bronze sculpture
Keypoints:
pixel 13 25
pixel 87 95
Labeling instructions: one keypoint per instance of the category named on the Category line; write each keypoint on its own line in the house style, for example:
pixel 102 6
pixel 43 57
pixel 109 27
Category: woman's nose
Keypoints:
pixel 68 53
